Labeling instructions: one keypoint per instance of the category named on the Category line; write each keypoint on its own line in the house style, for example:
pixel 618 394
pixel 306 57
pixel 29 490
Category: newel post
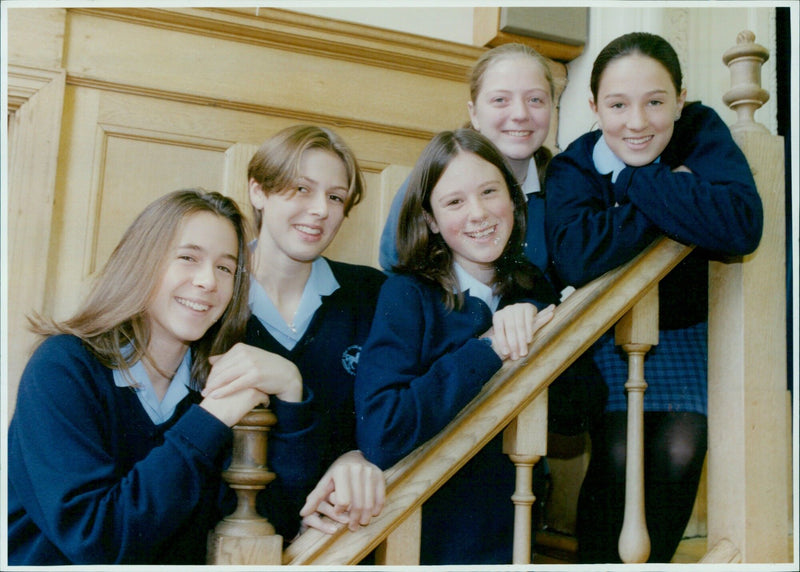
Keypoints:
pixel 245 537
pixel 747 393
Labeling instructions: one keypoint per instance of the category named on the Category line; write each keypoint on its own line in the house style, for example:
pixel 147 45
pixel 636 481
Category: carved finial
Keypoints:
pixel 745 95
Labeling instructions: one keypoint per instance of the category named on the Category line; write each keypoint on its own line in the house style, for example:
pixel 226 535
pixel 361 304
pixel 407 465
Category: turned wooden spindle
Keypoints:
pixel 636 332
pixel 525 442
pixel 746 95
pixel 244 536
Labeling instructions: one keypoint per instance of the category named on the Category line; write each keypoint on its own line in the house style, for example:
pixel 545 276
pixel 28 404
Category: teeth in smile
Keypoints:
pixel 192 305
pixel 308 229
pixel 518 133
pixel 481 233
pixel 639 140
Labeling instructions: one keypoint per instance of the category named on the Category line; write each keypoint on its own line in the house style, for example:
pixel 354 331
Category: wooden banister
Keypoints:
pixel 577 323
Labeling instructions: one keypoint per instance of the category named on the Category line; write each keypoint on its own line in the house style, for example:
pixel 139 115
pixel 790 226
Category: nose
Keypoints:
pixel 318 204
pixel 477 211
pixel 205 277
pixel 637 118
pixel 519 109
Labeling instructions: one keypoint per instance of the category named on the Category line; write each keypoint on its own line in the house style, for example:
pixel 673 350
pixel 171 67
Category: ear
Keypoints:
pixel 473 119
pixel 431 222
pixel 680 102
pixel 257 195
pixel 593 107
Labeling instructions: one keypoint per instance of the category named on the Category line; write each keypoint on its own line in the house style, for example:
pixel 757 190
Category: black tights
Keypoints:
pixel 674 450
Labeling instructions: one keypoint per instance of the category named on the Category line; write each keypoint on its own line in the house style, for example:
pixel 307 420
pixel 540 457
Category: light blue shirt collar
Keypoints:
pixel 531 184
pixel 158 411
pixel 321 282
pixel 606 161
pixel 478 289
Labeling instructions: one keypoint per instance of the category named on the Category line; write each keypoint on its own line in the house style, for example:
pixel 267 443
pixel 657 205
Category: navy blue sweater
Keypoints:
pixel 327 356
pixel 420 366
pixel 593 225
pixel 92 479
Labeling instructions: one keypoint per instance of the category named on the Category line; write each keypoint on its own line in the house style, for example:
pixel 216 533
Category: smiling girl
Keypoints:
pixel 114 457
pixel 315 313
pixel 657 166
pixel 463 301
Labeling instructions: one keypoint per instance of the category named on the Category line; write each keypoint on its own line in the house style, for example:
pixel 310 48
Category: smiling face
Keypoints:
pixel 299 223
pixel 197 282
pixel 513 106
pixel 473 211
pixel 636 107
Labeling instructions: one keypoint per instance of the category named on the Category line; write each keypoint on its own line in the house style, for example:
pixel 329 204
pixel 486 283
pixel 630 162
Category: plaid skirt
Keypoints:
pixel 676 371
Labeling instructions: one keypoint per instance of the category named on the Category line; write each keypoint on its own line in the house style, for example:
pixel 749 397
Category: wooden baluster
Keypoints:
pixel 636 332
pixel 402 545
pixel 244 537
pixel 525 442
pixel 749 500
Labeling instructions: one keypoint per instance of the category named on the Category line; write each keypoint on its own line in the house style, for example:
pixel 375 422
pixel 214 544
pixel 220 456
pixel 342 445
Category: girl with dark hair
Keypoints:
pixel 464 300
pixel 114 456
pixel 657 166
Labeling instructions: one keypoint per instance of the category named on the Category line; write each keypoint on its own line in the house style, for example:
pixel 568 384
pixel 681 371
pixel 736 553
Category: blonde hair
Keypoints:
pixel 274 166
pixel 112 322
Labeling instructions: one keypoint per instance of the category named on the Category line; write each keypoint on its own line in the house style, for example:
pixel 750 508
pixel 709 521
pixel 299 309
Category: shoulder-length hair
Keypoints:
pixel 112 322
pixel 274 166
pixel 425 254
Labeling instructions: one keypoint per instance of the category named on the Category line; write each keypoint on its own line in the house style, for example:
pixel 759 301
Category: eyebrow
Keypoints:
pixel 649 93
pixel 199 248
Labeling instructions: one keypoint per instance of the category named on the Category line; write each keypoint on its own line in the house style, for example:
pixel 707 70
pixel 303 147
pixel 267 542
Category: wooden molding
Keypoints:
pixel 24 82
pixel 305 33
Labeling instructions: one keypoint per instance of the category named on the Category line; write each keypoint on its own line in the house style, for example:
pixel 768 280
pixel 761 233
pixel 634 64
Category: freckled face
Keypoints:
pixel 300 224
pixel 473 211
pixel 636 108
pixel 513 107
pixel 197 283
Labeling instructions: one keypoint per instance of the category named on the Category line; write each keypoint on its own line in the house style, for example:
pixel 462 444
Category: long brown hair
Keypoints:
pixel 424 253
pixel 112 322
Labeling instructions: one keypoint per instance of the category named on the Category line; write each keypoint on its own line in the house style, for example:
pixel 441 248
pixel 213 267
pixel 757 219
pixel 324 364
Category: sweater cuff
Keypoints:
pixel 484 361
pixel 293 416
pixel 203 431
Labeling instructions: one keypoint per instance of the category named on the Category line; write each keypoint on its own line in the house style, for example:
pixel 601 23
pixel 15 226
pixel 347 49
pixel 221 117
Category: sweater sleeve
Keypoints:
pixel 61 460
pixel 594 225
pixel 587 233
pixel 413 377
pixel 715 207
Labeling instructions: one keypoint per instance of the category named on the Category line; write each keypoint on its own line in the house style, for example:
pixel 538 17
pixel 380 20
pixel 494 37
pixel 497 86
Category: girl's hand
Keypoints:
pixel 681 169
pixel 351 492
pixel 513 328
pixel 231 408
pixel 246 366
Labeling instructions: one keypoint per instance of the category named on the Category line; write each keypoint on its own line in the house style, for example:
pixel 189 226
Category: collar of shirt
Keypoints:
pixel 158 411
pixel 469 284
pixel 321 282
pixel 531 184
pixel 606 161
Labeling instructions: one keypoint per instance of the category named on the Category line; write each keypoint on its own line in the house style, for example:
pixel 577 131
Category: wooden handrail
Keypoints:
pixel 576 325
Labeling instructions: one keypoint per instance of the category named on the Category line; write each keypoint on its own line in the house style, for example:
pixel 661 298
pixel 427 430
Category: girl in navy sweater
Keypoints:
pixel 511 92
pixel 316 313
pixel 464 300
pixel 114 457
pixel 656 167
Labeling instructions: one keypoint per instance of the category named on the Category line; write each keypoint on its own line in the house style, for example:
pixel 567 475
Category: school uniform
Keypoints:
pixel 598 218
pixel 324 341
pixel 420 366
